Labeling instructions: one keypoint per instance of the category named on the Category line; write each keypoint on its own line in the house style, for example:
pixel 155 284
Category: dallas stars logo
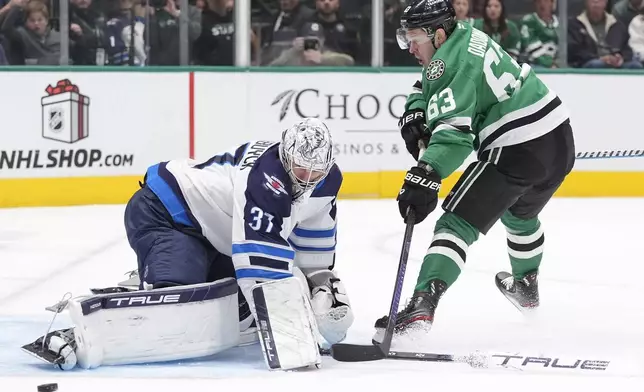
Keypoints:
pixel 435 69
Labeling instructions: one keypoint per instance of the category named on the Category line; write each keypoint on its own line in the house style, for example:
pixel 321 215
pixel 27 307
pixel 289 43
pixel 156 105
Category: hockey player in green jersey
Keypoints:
pixel 475 98
pixel 539 38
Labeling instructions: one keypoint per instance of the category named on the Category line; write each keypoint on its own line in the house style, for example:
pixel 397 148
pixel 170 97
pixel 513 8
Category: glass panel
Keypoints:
pixel 19 19
pixel 311 32
pixel 393 55
pixel 215 39
pixel 502 20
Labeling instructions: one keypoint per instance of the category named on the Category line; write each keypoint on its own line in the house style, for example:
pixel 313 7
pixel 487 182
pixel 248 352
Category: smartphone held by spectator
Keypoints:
pixel 309 50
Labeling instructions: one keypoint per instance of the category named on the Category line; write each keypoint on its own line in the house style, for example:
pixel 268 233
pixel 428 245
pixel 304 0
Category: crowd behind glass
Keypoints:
pixel 600 33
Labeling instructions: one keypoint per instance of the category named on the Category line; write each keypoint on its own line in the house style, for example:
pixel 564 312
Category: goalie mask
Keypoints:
pixel 306 151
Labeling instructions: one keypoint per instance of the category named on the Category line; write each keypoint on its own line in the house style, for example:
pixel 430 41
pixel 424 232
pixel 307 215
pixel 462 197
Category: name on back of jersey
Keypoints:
pixel 255 150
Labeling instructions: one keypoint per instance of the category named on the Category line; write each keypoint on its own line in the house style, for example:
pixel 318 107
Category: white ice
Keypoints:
pixel 591 289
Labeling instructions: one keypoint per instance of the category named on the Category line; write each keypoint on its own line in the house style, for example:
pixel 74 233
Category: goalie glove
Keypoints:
pixel 331 306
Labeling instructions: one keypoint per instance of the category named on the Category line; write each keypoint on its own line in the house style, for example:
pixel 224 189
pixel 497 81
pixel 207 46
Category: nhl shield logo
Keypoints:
pixel 56 119
pixel 435 69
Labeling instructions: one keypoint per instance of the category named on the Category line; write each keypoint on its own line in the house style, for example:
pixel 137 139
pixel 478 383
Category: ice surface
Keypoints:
pixel 591 290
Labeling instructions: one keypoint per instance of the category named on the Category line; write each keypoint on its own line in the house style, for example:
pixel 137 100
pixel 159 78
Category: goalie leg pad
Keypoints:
pixel 286 324
pixel 165 324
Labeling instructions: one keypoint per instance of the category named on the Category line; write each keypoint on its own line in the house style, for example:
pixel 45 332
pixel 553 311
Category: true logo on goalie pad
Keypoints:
pixel 146 300
pixel 158 297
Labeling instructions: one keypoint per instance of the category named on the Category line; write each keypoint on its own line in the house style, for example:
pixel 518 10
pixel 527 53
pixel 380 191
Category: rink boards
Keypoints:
pixel 87 137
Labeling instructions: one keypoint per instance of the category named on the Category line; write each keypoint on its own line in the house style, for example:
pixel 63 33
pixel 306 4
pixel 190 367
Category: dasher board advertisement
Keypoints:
pixel 91 124
pixel 362 111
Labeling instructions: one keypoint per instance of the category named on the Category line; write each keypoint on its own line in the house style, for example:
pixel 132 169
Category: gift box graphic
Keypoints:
pixel 65 113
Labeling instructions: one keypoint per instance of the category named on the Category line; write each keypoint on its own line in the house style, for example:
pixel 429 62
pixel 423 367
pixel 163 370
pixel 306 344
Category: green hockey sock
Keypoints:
pixel 448 251
pixel 525 243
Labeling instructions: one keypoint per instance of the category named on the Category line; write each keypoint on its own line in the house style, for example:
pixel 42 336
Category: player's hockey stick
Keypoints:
pixel 346 352
pixel 475 360
pixel 608 154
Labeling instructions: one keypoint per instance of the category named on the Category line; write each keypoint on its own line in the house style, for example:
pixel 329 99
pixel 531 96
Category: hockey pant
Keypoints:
pixel 170 253
pixel 511 183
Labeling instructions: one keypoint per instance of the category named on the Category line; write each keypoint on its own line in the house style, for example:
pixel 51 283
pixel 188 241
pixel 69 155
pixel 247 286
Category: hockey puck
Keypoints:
pixel 48 387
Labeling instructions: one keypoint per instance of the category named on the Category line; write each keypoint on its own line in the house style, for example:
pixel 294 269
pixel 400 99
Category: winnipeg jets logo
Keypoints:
pixel 274 185
pixel 435 69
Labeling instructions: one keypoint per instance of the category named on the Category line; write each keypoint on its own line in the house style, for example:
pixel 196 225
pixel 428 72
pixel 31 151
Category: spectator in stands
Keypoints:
pixel 288 25
pixel 162 35
pixel 462 9
pixel 339 36
pixel 38 43
pixel 636 33
pixel 3 56
pixel 539 39
pixel 309 50
pixel 86 33
pixel 393 56
pixel 626 10
pixel 215 45
pixel 596 39
pixel 502 30
pixel 123 47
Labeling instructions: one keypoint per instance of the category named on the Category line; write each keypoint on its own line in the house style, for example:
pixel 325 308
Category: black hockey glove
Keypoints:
pixel 420 192
pixel 412 129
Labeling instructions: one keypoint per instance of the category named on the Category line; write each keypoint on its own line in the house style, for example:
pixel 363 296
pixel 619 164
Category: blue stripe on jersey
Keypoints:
pixel 307 233
pixel 169 199
pixel 261 274
pixel 226 158
pixel 270 263
pixel 240 152
pixel 264 249
pixel 311 248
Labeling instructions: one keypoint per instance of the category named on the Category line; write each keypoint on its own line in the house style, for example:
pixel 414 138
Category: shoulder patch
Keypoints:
pixel 274 184
pixel 435 69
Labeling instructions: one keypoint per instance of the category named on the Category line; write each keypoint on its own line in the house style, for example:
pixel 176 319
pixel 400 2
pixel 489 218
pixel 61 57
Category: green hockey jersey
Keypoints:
pixel 510 41
pixel 539 40
pixel 476 97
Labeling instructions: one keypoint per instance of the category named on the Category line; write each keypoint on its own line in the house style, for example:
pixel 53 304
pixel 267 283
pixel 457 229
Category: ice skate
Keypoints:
pixel 524 293
pixel 418 312
pixel 57 348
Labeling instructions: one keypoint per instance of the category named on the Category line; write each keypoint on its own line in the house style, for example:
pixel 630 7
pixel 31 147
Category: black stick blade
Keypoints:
pixel 345 352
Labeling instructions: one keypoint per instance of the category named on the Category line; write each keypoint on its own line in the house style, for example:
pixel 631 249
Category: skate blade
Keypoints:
pixel 35 350
pixel 528 312
pixel 410 330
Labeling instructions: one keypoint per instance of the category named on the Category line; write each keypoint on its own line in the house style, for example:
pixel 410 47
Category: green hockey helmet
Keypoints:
pixel 429 15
